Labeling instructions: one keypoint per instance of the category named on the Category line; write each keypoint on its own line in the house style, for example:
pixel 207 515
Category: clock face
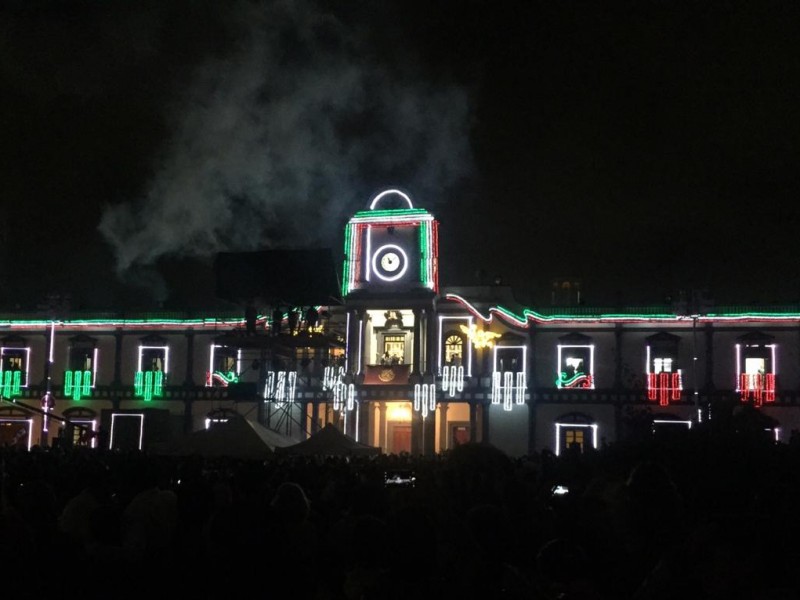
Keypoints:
pixel 389 262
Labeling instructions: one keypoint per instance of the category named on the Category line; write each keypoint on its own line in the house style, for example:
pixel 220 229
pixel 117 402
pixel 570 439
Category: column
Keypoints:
pixel 473 420
pixel 315 416
pixel 117 383
pixel 187 415
pixel 364 410
pixel 382 425
pixel 429 434
pixel 485 411
pixel 189 378
pixel 530 380
pixel 118 357
pixel 618 358
pixel 417 347
pixel 416 432
pixel 444 442
pixel 709 378
pixel 431 342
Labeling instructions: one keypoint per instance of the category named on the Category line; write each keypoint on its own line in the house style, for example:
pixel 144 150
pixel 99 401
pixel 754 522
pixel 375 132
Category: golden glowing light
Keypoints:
pixel 398 411
pixel 478 337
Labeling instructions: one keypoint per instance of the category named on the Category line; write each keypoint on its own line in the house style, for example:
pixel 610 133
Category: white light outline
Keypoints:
pixel 212 354
pixel 360 341
pixel 141 427
pixel 27 361
pixel 495 348
pixel 93 423
pixel 166 356
pixel 593 426
pixel 400 273
pixel 774 364
pixel 95 354
pixel 688 423
pixel 369 252
pixel 16 420
pixel 386 193
pixel 591 362
pixel 347 343
pixel 208 421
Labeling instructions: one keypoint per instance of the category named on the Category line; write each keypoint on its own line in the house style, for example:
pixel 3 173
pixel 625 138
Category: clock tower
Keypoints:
pixel 391 248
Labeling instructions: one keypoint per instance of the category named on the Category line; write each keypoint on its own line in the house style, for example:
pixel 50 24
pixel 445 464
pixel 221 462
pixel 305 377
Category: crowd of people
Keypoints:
pixel 699 515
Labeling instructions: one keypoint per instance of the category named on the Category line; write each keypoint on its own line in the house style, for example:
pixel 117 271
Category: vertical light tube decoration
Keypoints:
pixel 369 252
pixel 360 342
pixel 150 384
pixel 11 381
pixel 347 342
pixel 95 355
pixel 425 398
pixel 760 387
pixel 508 387
pixel 210 373
pixel 738 367
pixel 280 386
pixel 452 379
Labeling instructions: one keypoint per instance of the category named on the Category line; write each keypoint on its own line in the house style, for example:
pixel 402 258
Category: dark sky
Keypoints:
pixel 644 147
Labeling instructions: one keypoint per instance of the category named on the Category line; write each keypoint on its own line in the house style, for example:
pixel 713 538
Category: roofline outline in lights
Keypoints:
pixel 82 324
pixel 530 316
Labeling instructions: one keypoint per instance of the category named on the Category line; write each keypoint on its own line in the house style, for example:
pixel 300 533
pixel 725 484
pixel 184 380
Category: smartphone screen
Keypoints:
pixel 399 478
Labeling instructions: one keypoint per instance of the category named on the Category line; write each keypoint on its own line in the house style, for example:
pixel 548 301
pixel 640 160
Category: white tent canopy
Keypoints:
pixel 238 437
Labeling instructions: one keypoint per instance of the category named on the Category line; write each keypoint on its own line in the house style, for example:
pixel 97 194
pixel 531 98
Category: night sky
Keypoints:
pixel 644 147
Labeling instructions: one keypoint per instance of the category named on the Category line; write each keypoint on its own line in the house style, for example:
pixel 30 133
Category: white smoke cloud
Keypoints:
pixel 280 141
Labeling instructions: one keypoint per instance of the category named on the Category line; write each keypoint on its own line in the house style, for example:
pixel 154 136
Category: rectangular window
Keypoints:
pixel 394 348
pixel 224 366
pixel 81 375
pixel 575 367
pixel 572 438
pixel 508 375
pixel 152 372
pixel 662 365
pixel 756 372
pixel 578 435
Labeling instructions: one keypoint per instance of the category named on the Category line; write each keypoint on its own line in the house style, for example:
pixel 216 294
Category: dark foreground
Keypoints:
pixel 702 515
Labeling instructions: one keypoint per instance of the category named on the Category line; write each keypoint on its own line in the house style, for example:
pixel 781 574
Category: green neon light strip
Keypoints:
pixel 348 259
pixel 77 384
pixel 229 377
pixel 423 275
pixel 27 323
pixel 148 385
pixel 11 383
pixel 563 381
pixel 399 213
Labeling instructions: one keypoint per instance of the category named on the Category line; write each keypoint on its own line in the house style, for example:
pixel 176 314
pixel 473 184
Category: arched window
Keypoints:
pixel 453 349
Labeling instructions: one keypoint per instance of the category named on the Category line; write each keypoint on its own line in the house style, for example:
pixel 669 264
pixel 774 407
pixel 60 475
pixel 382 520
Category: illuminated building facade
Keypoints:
pixel 400 363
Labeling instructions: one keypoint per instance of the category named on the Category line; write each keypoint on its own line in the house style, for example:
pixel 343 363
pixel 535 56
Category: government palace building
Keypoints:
pixel 393 360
